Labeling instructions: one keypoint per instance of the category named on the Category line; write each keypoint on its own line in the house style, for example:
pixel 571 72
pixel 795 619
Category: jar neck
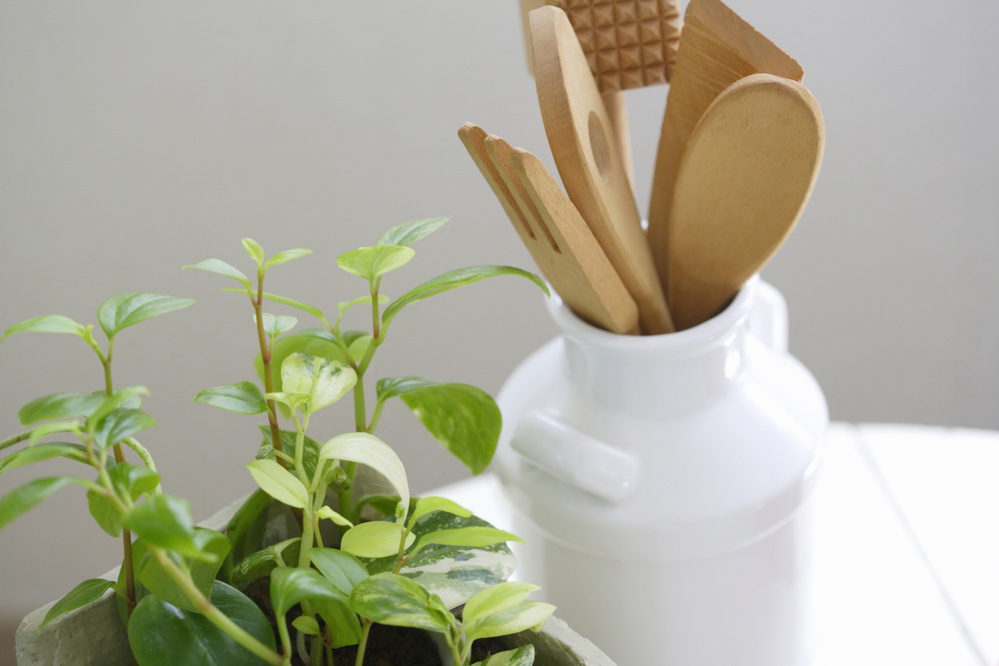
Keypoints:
pixel 655 374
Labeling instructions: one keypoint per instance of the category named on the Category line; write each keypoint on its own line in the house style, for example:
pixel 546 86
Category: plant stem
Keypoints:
pixel 119 456
pixel 146 457
pixel 265 357
pixel 362 644
pixel 11 441
pixel 212 613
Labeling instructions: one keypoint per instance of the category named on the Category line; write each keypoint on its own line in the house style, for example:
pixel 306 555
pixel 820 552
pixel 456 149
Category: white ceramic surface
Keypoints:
pixel 663 486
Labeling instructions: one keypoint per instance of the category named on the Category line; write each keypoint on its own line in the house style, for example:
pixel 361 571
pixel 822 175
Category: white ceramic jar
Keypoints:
pixel 662 484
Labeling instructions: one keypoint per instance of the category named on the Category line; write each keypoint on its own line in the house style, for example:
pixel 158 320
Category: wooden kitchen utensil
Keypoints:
pixel 550 226
pixel 579 133
pixel 627 43
pixel 742 183
pixel 717 49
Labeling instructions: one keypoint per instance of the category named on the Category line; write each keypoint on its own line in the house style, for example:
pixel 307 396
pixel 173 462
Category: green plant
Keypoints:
pixel 186 587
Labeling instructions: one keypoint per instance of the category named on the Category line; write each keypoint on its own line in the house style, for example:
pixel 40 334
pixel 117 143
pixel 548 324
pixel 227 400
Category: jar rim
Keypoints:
pixel 719 326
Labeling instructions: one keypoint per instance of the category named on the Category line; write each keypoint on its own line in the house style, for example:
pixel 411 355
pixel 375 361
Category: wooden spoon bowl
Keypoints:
pixel 742 183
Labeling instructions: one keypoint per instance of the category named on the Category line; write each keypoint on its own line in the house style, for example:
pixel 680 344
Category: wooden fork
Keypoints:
pixel 550 226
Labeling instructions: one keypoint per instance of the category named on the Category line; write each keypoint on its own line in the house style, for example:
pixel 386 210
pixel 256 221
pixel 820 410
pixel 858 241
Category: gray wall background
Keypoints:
pixel 138 137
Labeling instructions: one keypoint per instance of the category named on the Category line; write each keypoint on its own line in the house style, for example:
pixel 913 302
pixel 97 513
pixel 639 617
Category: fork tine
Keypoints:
pixel 584 276
pixel 474 139
pixel 501 153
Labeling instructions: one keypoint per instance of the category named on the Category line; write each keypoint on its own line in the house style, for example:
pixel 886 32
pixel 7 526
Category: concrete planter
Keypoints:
pixel 94 636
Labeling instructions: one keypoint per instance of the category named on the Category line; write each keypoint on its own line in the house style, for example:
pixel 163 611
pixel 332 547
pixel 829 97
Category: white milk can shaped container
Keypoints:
pixel 663 485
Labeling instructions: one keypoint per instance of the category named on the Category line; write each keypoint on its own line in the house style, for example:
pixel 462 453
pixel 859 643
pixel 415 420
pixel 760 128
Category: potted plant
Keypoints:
pixel 304 568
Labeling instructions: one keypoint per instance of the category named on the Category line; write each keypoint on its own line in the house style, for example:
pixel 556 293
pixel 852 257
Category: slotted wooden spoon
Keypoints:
pixel 579 132
pixel 742 183
pixel 550 226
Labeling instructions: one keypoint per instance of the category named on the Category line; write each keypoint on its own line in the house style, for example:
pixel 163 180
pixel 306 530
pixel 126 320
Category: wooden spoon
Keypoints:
pixel 717 48
pixel 580 135
pixel 742 183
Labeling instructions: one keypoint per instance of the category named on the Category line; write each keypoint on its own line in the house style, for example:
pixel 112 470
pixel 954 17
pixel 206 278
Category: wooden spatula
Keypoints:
pixel 745 176
pixel 579 133
pixel 551 228
pixel 717 48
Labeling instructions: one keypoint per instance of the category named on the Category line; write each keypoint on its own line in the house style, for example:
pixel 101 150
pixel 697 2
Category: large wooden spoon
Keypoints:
pixel 742 183
pixel 717 48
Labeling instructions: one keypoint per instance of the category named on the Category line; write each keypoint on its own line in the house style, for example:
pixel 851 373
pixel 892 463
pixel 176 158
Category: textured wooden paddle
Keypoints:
pixel 741 186
pixel 717 48
pixel 627 43
pixel 550 226
pixel 579 133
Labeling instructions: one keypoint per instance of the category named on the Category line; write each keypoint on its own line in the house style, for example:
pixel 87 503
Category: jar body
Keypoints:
pixel 663 485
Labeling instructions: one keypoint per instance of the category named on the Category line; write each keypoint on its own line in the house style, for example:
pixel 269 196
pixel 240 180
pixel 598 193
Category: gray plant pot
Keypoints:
pixel 94 636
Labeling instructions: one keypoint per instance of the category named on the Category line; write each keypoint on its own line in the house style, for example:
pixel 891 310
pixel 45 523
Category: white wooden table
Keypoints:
pixel 907 545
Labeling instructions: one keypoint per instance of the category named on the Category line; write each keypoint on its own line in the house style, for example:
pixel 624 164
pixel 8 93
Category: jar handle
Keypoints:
pixel 576 458
pixel 768 318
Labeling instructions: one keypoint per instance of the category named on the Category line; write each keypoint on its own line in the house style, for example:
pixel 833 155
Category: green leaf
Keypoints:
pixel 342 622
pixel 161 634
pixel 241 398
pixel 40 452
pixel 293 585
pixel 396 600
pixel 254 250
pixel 374 539
pixel 365 448
pixel 341 569
pixel 323 380
pixel 46 324
pixel 426 505
pixel 495 599
pixel 463 418
pixel 474 537
pixel 260 563
pixel 118 424
pixel 104 512
pixel 371 263
pixel 247 526
pixel 275 325
pixel 279 483
pixel 528 614
pixel 86 592
pixel 123 398
pixel 165 521
pixel 408 233
pixel 311 342
pixel 119 312
pixel 521 656
pixel 452 280
pixel 222 268
pixel 46 429
pixel 455 573
pixel 26 497
pixel 298 305
pixel 326 513
pixel 159 582
pixel 343 306
pixel 343 572
pixel 306 625
pixel 133 480
pixel 58 406
pixel 286 255
pixel 310 448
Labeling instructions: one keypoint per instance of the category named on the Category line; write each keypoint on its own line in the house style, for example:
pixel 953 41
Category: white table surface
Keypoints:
pixel 907 544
